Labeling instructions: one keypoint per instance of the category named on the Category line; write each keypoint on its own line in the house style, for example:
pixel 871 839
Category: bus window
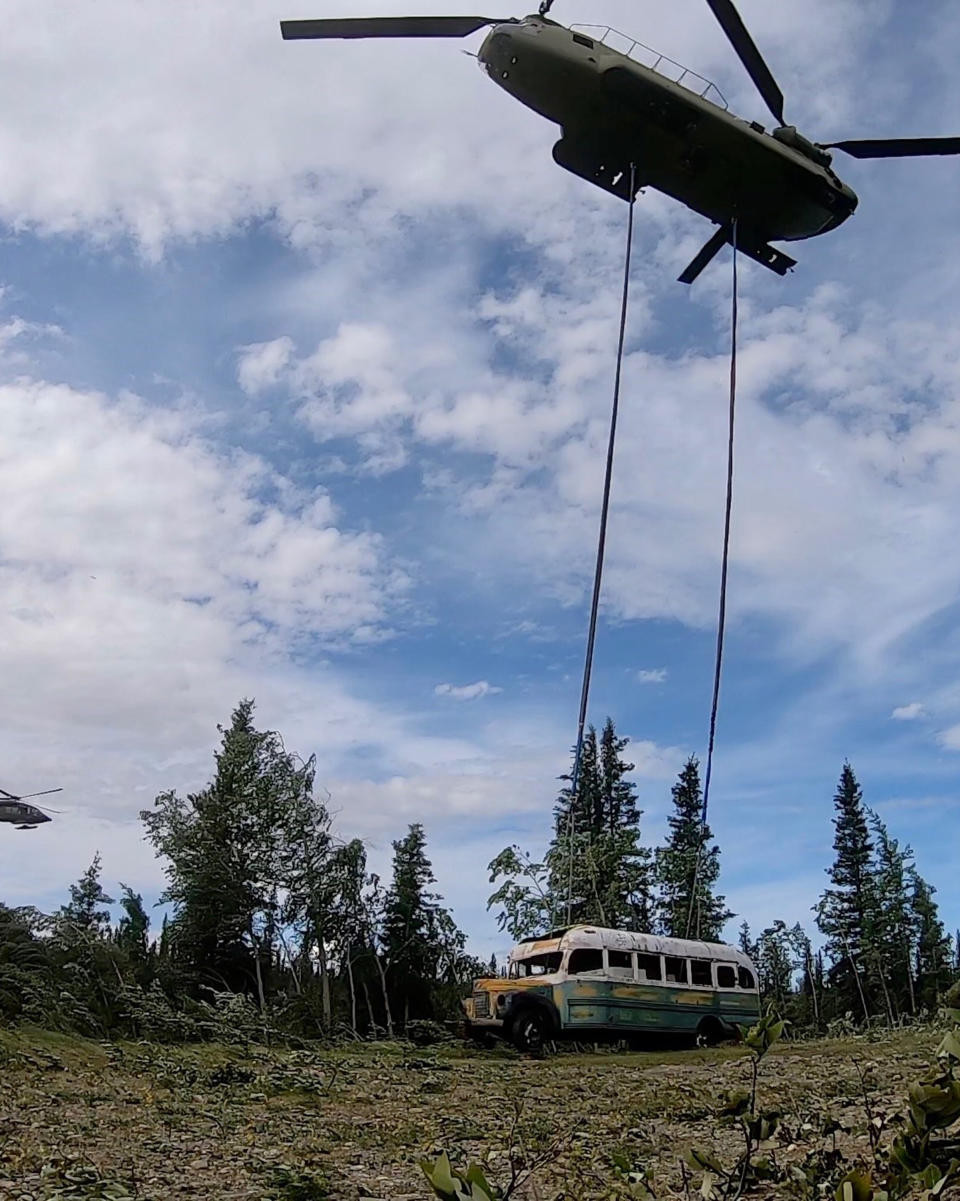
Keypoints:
pixel 676 970
pixel 649 966
pixel 746 978
pixel 700 972
pixel 585 961
pixel 620 963
pixel 726 976
pixel 537 965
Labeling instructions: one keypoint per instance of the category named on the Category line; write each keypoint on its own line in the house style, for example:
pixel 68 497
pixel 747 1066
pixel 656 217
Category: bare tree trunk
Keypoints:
pixel 370 1013
pixel 856 976
pixel 353 994
pixel 325 987
pixel 386 999
pixel 883 985
pixel 294 970
pixel 909 962
pixel 813 990
pixel 259 974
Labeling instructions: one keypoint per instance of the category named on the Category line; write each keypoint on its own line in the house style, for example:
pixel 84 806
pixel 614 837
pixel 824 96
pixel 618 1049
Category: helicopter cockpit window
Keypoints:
pixel 582 40
pixel 537 965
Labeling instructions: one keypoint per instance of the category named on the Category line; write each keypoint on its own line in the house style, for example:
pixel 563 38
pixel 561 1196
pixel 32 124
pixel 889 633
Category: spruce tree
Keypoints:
pixel 599 872
pixel 224 851
pixel 844 913
pixel 625 866
pixel 571 860
pixel 419 938
pixel 86 895
pixel 776 964
pixel 931 942
pixel 887 942
pixel 131 933
pixel 688 867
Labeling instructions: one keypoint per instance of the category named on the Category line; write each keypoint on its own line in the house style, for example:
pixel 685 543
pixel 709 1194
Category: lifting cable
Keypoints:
pixel 598 571
pixel 722 615
pixel 602 540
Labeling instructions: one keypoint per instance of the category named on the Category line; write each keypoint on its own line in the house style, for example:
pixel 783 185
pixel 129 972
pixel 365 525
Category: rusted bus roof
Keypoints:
pixel 629 940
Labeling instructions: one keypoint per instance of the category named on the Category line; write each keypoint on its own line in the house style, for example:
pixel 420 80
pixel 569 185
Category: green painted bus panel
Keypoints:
pixel 638 1007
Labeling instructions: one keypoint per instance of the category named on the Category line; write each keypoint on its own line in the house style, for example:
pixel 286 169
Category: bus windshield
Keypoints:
pixel 537 965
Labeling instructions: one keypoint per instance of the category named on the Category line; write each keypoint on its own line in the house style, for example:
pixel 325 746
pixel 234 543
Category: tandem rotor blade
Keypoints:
pixel 706 256
pixel 750 56
pixel 386 27
pixel 897 147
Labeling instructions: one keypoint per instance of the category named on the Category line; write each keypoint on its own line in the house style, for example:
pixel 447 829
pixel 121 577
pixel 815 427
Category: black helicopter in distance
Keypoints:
pixel 616 113
pixel 15 810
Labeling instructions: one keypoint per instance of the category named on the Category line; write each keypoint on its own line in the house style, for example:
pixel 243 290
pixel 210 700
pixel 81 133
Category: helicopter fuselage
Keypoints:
pixel 614 112
pixel 22 815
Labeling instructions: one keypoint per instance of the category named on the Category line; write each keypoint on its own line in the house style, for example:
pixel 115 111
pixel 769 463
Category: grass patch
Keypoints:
pixel 172 1123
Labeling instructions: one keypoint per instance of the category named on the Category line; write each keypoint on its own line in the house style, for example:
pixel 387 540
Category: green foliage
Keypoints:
pixel 524 898
pixel 845 909
pixel 688 868
pixel 132 930
pixel 224 851
pixel 288 1182
pixel 598 869
pixel 451 1185
pixel 81 911
pixel 757 1126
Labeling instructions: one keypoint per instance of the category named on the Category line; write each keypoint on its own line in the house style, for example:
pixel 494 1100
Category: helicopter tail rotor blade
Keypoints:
pixel 733 26
pixel 386 27
pixel 896 147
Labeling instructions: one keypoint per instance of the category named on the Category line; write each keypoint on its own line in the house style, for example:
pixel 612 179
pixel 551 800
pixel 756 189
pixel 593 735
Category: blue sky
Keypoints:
pixel 306 354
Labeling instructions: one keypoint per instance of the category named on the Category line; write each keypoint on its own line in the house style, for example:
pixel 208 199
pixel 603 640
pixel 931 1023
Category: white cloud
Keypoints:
pixel 908 712
pixel 149 581
pixel 109 506
pixel 262 364
pixel 151 577
pixel 198 137
pixel 466 692
pixel 950 738
pixel 652 675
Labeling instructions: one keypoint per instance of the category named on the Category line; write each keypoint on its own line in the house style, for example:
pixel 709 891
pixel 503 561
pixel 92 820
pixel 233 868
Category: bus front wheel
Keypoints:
pixel 709 1033
pixel 529 1032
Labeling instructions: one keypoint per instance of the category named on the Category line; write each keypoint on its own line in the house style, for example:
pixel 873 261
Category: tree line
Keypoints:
pixel 883 955
pixel 265 903
pixel 273 922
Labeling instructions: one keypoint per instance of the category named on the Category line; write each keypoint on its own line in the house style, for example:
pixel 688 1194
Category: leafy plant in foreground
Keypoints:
pixel 757 1126
pixel 919 1163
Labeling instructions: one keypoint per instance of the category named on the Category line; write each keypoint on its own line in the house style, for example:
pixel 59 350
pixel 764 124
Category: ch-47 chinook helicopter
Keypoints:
pixel 626 123
pixel 15 810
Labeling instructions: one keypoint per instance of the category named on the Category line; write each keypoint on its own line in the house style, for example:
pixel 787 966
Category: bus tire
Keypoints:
pixel 710 1032
pixel 528 1032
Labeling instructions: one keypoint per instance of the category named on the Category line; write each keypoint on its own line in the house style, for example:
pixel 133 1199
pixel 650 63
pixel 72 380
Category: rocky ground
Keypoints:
pixel 82 1119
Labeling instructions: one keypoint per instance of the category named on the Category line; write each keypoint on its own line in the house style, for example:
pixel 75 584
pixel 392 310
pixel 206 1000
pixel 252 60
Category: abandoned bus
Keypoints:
pixel 594 983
